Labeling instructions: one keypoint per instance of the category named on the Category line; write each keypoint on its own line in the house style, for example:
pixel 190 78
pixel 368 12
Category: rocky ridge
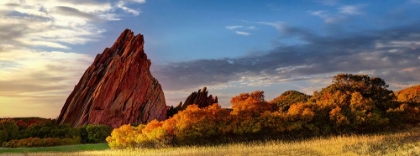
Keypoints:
pixel 117 88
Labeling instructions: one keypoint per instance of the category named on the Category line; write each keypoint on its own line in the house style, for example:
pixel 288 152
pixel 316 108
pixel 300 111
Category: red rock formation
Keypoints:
pixel 199 98
pixel 117 88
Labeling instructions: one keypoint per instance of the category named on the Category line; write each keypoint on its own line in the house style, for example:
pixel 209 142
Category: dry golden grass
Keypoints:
pixel 401 143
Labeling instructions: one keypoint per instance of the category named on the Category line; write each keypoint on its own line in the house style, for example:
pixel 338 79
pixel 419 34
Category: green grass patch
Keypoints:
pixel 68 148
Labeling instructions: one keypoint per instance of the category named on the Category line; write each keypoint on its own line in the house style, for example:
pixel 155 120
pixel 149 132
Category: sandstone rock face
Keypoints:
pixel 117 88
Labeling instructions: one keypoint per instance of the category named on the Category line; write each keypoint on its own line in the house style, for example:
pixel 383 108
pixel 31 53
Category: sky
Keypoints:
pixel 230 47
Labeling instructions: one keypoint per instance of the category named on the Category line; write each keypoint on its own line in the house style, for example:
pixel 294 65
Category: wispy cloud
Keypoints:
pixel 395 52
pixel 251 28
pixel 326 16
pixel 122 5
pixel 241 30
pixel 278 25
pixel 343 13
pixel 233 27
pixel 242 33
pixel 351 9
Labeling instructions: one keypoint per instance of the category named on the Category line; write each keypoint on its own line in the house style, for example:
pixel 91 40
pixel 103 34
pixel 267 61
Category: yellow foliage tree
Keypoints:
pixel 123 137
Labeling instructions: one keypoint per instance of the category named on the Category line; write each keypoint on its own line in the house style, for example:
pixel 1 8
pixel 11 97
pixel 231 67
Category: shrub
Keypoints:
pixel 84 137
pixel 38 142
pixel 123 137
pixel 97 133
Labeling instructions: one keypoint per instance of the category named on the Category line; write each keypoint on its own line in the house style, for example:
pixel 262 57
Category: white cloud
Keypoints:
pixel 251 28
pixel 55 23
pixel 328 18
pixel 52 23
pixel 121 5
pixel 343 13
pixel 242 33
pixel 238 29
pixel 350 9
pixel 278 25
pixel 233 27
pixel 110 17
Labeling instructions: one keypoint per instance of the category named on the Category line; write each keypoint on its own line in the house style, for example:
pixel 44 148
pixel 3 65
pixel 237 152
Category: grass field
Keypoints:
pixel 69 148
pixel 401 143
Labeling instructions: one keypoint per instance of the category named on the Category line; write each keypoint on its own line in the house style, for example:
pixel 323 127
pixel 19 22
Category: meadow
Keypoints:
pixel 405 142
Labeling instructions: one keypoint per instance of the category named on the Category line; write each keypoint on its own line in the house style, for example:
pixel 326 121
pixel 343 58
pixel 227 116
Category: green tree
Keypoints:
pixel 288 98
pixel 98 133
pixel 8 130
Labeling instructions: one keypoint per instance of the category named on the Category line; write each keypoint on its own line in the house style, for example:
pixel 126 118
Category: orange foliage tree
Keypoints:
pixel 250 103
pixel 247 109
pixel 196 125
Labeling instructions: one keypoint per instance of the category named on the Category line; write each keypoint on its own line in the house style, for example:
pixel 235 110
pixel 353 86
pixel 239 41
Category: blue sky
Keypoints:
pixel 229 46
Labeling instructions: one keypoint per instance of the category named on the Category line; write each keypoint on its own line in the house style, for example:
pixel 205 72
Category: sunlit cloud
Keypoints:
pixel 38 64
pixel 39 79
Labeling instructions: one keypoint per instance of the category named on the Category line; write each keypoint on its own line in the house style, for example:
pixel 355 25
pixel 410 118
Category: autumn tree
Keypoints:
pixel 408 110
pixel 250 103
pixel 124 136
pixel 288 98
pixel 247 109
pixel 353 102
pixel 373 88
pixel 196 125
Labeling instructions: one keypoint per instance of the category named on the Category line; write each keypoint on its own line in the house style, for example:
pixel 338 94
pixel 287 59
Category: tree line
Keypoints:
pixel 39 132
pixel 352 104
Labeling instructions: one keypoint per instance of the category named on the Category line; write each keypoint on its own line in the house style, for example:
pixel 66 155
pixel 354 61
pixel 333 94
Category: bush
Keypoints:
pixel 38 142
pixel 123 137
pixel 83 134
pixel 97 133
